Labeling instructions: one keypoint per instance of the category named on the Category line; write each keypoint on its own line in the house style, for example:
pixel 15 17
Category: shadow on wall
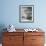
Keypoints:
pixel 2 26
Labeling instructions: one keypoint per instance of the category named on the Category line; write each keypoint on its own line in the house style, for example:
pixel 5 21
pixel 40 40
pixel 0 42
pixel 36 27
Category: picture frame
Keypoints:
pixel 26 13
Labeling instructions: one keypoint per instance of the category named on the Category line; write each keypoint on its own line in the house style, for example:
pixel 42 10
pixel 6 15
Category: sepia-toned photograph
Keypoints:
pixel 26 13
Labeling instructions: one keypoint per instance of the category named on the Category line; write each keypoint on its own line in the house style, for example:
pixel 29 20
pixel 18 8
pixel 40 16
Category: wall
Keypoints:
pixel 10 13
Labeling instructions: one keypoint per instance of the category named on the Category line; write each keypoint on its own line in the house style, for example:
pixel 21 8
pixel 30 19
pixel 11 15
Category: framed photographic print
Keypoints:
pixel 26 13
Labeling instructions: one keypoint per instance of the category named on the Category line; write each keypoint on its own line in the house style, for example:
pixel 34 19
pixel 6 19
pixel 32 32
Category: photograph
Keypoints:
pixel 26 13
pixel 22 22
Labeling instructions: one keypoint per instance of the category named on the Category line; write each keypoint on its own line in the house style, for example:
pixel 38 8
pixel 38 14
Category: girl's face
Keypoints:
pixel 27 11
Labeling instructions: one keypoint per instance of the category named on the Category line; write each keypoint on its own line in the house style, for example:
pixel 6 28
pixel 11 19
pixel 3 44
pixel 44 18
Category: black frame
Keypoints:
pixel 20 12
